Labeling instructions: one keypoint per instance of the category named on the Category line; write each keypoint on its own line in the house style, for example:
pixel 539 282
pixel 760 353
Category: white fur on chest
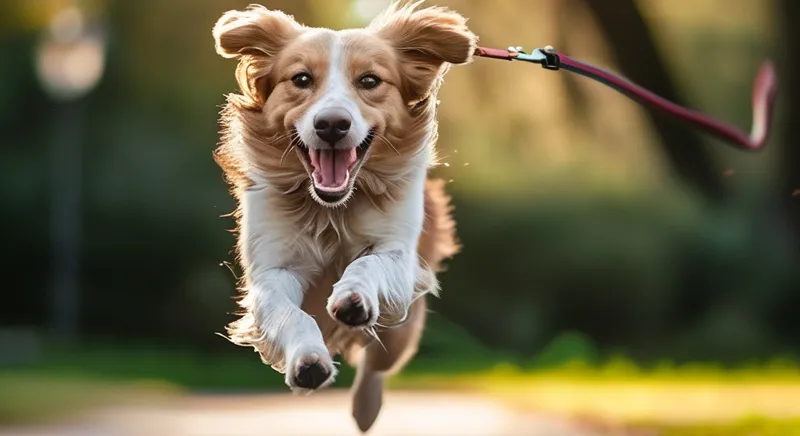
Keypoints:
pixel 329 238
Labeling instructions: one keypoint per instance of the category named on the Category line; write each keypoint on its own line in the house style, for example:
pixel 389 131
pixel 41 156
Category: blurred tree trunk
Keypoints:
pixel 636 52
pixel 789 14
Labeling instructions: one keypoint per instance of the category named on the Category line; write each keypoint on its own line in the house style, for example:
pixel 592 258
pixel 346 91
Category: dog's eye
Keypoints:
pixel 369 81
pixel 302 80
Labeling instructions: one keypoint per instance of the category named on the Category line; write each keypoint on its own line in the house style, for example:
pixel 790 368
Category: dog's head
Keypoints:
pixel 356 105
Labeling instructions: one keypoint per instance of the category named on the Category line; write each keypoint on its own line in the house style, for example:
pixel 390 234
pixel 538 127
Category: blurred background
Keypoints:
pixel 619 270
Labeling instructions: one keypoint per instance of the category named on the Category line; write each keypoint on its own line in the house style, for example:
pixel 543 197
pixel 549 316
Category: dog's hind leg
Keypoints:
pixel 437 242
pixel 377 362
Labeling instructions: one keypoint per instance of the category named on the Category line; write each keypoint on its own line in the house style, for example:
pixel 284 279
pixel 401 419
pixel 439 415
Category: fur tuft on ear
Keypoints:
pixel 254 35
pixel 255 30
pixel 428 41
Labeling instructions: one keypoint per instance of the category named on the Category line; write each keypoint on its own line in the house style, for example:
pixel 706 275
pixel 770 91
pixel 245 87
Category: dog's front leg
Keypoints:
pixel 287 338
pixel 382 283
pixel 378 284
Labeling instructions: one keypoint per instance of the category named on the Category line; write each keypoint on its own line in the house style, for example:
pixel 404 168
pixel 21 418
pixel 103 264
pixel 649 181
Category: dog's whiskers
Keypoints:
pixel 278 137
pixel 286 152
pixel 293 138
pixel 387 142
pixel 370 331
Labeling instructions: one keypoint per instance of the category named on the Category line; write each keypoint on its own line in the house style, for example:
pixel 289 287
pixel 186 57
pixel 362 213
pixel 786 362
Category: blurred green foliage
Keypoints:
pixel 655 275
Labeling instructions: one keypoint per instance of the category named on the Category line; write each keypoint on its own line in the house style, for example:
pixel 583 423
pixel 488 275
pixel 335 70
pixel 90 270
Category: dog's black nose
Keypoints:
pixel 332 124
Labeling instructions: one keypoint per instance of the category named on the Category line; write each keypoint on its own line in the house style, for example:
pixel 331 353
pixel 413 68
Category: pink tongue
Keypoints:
pixel 332 166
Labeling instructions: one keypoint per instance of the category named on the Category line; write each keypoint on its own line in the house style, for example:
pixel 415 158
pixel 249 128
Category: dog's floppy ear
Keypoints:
pixel 428 41
pixel 254 35
pixel 254 31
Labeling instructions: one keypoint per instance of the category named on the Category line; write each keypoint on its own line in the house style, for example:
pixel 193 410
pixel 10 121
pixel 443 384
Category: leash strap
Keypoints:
pixel 764 93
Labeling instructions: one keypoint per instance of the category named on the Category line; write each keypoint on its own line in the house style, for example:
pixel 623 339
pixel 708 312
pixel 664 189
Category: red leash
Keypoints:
pixel 764 92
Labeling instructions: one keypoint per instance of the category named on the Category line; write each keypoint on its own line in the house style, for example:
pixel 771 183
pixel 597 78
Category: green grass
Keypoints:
pixel 446 349
pixel 239 370
pixel 40 399
pixel 666 399
pixel 617 369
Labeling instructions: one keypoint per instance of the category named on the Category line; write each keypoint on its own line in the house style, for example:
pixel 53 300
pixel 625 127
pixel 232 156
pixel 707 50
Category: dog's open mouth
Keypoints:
pixel 333 170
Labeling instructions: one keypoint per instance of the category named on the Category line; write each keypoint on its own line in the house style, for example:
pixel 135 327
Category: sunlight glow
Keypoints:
pixel 70 60
pixel 365 10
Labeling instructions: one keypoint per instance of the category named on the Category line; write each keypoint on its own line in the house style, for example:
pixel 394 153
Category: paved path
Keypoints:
pixel 322 414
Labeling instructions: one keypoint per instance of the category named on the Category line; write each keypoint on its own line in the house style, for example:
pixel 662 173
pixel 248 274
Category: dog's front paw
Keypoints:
pixel 310 370
pixel 352 307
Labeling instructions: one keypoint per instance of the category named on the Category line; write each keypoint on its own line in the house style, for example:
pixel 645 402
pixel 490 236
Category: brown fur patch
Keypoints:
pixel 438 241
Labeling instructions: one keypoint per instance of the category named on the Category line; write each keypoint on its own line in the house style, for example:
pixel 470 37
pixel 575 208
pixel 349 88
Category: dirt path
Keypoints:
pixel 324 413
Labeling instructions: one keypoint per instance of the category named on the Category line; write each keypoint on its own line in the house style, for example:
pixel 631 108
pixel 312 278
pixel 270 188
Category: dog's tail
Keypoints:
pixel 438 241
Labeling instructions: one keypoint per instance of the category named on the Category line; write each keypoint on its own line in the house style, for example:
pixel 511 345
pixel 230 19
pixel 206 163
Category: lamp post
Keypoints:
pixel 70 60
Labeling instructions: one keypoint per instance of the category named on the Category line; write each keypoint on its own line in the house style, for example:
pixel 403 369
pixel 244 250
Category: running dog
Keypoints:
pixel 327 148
